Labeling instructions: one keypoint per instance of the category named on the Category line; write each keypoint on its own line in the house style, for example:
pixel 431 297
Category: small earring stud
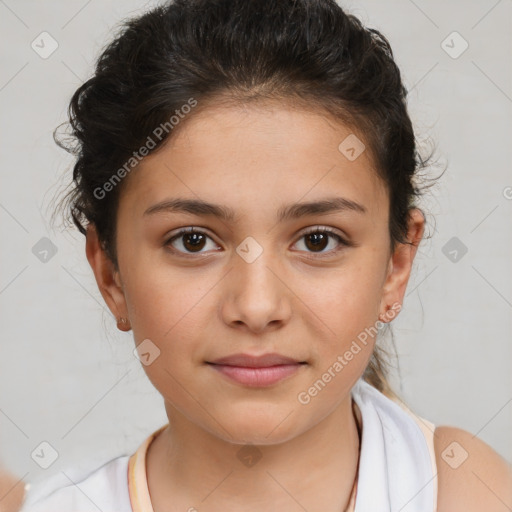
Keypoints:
pixel 122 324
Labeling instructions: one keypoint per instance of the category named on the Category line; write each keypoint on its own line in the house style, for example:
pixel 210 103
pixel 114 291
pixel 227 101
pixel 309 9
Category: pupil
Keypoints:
pixel 319 240
pixel 195 239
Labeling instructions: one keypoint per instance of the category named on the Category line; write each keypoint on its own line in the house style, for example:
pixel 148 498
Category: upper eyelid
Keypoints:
pixel 304 231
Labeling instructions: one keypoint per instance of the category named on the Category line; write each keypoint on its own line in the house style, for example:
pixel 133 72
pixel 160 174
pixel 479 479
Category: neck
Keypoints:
pixel 189 467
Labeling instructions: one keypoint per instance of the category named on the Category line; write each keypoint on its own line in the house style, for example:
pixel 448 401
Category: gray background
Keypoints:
pixel 68 376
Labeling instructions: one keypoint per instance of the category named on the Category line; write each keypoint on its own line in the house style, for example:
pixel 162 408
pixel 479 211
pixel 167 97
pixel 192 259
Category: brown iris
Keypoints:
pixel 193 241
pixel 318 241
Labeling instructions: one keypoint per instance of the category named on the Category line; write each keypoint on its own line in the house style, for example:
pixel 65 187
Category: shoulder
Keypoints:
pixel 471 475
pixel 11 492
pixel 104 488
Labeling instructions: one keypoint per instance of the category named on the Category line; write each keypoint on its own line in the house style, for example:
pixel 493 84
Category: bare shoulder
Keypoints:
pixel 472 476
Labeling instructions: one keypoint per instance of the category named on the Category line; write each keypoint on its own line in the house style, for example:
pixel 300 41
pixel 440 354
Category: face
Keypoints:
pixel 270 276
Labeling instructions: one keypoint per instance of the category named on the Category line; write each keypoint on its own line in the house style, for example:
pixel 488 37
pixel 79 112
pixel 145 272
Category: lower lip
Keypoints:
pixel 257 377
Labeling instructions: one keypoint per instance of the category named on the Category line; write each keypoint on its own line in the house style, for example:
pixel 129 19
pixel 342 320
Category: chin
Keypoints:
pixel 260 429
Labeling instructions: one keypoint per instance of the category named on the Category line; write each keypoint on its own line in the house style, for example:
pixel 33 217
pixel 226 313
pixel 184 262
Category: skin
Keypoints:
pixel 483 481
pixel 292 300
pixel 12 492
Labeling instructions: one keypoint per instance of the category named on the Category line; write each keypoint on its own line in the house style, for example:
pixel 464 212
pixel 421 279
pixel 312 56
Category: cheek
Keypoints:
pixel 164 309
pixel 347 299
pixel 174 310
pixel 161 301
pixel 346 308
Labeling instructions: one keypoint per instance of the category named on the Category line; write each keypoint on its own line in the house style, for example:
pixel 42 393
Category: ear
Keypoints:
pixel 400 265
pixel 107 277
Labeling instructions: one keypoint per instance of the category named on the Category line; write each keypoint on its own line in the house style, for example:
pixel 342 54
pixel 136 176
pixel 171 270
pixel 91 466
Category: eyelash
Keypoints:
pixel 320 229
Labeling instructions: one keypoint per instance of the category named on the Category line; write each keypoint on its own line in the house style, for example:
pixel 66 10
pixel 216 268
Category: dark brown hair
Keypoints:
pixel 310 53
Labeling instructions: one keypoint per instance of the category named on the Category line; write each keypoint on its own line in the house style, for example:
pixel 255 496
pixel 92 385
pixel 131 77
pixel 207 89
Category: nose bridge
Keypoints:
pixel 257 294
pixel 252 266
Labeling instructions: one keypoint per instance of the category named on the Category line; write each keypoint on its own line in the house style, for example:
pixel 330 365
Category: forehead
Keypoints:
pixel 263 154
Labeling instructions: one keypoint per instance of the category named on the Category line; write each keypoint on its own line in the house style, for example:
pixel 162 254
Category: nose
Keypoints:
pixel 257 297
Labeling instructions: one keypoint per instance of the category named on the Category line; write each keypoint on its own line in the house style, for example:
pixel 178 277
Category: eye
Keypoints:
pixel 192 240
pixel 189 241
pixel 318 238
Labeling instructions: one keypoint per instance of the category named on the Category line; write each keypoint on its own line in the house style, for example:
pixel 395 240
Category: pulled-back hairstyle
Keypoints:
pixel 309 53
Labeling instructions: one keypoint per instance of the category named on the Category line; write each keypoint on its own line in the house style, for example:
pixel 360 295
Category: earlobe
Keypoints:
pixel 400 263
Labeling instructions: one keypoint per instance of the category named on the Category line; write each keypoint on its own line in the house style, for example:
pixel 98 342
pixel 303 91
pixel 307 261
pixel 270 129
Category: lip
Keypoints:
pixel 257 371
pixel 249 361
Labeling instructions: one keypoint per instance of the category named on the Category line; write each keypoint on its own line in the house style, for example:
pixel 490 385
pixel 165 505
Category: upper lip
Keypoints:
pixel 249 361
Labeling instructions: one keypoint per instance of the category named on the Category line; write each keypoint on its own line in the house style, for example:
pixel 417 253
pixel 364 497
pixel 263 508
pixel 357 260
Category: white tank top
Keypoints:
pixel 397 468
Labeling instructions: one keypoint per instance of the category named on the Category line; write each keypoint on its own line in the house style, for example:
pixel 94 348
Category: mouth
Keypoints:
pixel 250 361
pixel 257 371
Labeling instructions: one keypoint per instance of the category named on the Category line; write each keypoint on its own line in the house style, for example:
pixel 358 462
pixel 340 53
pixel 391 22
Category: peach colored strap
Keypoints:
pixel 428 429
pixel 137 479
pixel 352 502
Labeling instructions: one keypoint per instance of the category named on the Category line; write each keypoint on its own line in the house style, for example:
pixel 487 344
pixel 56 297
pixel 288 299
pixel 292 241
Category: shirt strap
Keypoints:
pixel 138 490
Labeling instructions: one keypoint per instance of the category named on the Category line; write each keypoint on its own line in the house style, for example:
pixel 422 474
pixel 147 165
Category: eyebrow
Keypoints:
pixel 288 212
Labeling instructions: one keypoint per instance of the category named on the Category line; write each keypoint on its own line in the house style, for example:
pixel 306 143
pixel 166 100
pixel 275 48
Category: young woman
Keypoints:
pixel 246 177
